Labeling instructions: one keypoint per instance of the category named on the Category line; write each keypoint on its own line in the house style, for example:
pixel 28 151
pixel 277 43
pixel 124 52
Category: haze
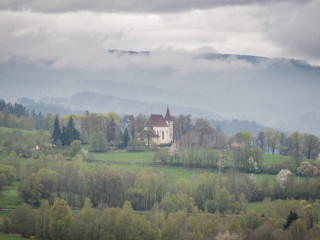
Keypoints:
pixel 194 57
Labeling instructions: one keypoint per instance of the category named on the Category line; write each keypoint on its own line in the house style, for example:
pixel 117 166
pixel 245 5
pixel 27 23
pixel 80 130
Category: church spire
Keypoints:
pixel 168 117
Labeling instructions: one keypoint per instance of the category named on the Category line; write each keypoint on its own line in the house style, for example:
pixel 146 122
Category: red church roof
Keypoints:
pixel 157 120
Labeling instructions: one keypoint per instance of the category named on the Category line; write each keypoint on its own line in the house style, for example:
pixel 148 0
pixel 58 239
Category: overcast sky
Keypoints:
pixel 78 33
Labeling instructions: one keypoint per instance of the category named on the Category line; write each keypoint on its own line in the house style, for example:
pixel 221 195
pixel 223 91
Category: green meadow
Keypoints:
pixel 4 236
pixel 10 130
pixel 125 157
pixel 269 159
pixel 9 197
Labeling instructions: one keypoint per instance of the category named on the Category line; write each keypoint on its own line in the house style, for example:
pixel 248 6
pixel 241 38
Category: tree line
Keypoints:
pixel 282 220
pixel 51 176
pixel 17 116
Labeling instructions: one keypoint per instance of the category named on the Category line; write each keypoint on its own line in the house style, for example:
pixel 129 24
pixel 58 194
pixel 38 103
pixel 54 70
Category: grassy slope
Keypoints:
pixel 9 197
pixel 132 157
pixel 3 156
pixel 10 130
pixel 258 206
pixel 4 236
pixel 138 161
pixel 269 159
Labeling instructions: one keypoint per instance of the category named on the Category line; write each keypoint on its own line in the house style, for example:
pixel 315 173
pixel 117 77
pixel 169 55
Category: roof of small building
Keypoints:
pixel 157 120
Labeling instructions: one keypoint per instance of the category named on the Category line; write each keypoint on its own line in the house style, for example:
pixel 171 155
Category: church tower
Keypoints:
pixel 169 122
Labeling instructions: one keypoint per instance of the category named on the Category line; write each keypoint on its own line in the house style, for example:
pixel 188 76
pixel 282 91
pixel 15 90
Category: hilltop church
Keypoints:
pixel 159 128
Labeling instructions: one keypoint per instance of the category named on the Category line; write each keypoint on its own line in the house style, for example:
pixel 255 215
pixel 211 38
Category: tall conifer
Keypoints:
pixel 56 135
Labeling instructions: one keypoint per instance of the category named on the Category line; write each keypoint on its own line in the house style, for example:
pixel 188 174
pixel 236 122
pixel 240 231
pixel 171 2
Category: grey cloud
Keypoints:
pixel 298 33
pixel 58 6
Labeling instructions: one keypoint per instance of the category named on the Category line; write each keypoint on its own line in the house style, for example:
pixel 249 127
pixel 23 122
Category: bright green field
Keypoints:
pixel 10 130
pixel 175 172
pixel 4 236
pixel 269 159
pixel 258 206
pixel 128 157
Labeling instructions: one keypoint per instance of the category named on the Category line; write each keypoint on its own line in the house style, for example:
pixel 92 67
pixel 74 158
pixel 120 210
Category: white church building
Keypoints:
pixel 161 127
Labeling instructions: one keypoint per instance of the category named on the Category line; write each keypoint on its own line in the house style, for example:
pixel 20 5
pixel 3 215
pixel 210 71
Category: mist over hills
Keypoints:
pixel 279 93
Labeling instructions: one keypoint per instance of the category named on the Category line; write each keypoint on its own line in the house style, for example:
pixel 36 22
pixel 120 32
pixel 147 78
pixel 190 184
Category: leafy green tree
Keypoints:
pixel 56 135
pixel 3 181
pixel 124 224
pixel 109 224
pixel 311 146
pixel 273 139
pixel 5 225
pixel 204 132
pixel 253 220
pixel 97 142
pixel 9 172
pixel 177 202
pixel 42 221
pixel 176 227
pixel 261 141
pixel 48 122
pixel 48 182
pixel 86 222
pixel 61 220
pixel 243 137
pixel 224 200
pixel 297 230
pixel 23 220
pixel 29 188
pixel 75 148
pixel 296 144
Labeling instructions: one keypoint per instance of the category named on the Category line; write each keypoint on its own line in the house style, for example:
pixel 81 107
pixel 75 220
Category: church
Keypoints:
pixel 158 129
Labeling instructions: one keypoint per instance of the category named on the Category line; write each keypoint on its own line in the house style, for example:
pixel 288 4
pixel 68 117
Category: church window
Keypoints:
pixel 162 134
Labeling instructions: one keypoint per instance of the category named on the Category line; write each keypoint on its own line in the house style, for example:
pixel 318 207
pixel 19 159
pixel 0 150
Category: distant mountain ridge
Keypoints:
pixel 77 104
pixel 280 93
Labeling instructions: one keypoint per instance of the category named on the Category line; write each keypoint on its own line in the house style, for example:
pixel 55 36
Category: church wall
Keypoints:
pixel 166 137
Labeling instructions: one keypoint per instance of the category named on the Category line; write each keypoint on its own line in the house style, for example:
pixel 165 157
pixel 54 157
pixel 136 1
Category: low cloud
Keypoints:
pixel 61 40
pixel 296 31
pixel 82 39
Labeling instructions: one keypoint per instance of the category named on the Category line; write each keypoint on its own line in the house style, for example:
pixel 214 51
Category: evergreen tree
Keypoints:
pixel 64 137
pixel 3 105
pixel 39 121
pixel 56 135
pixel 71 132
pixel 293 216
pixel 126 138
